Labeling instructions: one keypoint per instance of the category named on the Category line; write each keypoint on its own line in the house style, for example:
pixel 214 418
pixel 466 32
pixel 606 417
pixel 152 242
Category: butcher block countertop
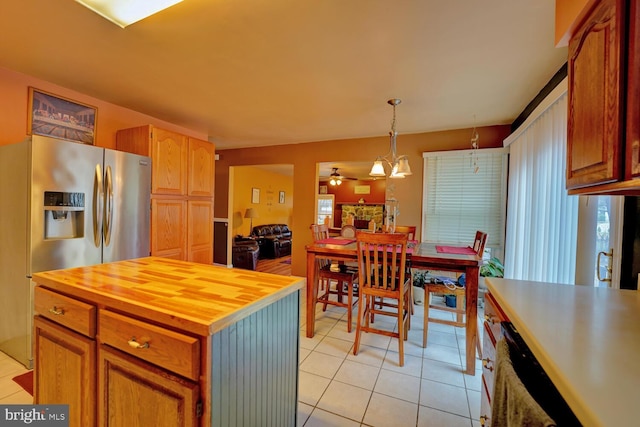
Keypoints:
pixel 586 339
pixel 199 298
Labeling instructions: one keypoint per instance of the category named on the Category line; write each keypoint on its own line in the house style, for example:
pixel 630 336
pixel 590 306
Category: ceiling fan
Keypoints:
pixel 336 179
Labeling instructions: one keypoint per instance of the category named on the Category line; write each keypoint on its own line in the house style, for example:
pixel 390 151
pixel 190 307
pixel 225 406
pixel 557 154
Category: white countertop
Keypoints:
pixel 586 339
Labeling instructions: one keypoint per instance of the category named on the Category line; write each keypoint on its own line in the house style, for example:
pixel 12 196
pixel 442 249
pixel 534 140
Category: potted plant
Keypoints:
pixel 492 268
pixel 419 278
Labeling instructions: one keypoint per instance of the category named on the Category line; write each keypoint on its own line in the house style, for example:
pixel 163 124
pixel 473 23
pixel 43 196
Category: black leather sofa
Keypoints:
pixel 274 240
pixel 245 253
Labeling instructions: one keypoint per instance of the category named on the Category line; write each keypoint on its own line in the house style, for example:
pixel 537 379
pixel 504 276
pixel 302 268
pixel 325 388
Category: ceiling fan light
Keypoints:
pixel 403 166
pixel 126 12
pixel 377 169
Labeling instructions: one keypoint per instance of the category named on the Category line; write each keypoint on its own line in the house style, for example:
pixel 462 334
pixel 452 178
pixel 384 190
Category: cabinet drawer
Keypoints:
pixel 488 356
pixel 73 314
pixel 485 407
pixel 170 350
pixel 493 315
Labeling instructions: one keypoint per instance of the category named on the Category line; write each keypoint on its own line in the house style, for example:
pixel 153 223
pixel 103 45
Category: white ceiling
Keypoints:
pixel 269 72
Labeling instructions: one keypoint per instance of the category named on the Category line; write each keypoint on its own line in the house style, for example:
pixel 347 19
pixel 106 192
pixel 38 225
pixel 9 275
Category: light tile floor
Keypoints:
pixel 337 388
pixel 10 392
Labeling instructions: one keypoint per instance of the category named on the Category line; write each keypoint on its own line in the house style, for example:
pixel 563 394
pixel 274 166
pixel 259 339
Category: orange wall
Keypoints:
pixel 345 192
pixel 269 209
pixel 568 16
pixel 14 111
pixel 304 158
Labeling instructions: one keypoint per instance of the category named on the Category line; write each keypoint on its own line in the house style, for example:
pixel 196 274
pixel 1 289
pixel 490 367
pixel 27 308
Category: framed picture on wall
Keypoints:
pixel 281 197
pixel 255 195
pixel 58 117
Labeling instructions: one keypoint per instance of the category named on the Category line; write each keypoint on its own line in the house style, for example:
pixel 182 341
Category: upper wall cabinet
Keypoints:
pixel 598 134
pixel 201 168
pixel 632 165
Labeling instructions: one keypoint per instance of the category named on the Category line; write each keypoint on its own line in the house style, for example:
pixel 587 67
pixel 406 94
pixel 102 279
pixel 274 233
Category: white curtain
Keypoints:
pixel 541 217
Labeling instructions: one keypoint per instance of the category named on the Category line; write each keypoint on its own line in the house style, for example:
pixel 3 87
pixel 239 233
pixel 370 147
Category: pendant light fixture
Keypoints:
pixel 398 165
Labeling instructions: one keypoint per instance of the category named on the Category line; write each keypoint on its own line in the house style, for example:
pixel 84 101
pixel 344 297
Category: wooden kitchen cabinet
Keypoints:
pixel 603 147
pixel 65 369
pixel 173 343
pixel 65 355
pixel 146 376
pixel 149 377
pixel 632 165
pixel 594 132
pixel 182 191
pixel 137 394
pixel 200 232
pixel 169 228
pixel 201 168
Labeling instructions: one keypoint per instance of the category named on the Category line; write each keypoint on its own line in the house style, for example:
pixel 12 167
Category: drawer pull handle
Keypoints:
pixel 57 311
pixel 486 364
pixel 489 319
pixel 135 344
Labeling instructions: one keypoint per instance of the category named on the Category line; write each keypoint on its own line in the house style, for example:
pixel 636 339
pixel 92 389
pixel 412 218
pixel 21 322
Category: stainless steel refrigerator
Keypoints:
pixel 63 205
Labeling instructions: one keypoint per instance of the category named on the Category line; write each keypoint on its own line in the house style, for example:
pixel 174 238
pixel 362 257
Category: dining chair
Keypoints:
pixel 334 278
pixel 479 243
pixel 410 231
pixel 348 231
pixel 383 288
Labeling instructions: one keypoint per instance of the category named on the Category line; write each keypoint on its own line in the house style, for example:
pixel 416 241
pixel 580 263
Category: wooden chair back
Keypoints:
pixel 479 242
pixel 409 230
pixel 348 231
pixel 319 231
pixel 382 261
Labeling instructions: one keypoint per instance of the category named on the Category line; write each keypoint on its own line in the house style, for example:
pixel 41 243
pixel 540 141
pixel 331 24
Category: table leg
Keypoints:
pixel 471 294
pixel 312 282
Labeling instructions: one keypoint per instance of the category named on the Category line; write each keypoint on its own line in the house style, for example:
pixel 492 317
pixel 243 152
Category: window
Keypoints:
pixel 325 209
pixel 458 201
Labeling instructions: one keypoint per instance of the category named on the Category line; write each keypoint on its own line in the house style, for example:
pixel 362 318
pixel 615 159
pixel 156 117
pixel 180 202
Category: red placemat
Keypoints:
pixel 461 250
pixel 334 241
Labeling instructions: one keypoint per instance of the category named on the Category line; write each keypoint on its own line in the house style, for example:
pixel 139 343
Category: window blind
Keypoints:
pixel 457 202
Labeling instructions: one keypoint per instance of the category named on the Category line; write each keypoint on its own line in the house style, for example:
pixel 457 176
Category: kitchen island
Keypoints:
pixel 586 339
pixel 155 341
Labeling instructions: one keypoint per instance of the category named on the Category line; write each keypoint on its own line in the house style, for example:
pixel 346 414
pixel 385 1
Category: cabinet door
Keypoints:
pixel 168 228
pixel 594 133
pixel 169 168
pixel 200 238
pixel 133 393
pixel 201 168
pixel 633 94
pixel 65 371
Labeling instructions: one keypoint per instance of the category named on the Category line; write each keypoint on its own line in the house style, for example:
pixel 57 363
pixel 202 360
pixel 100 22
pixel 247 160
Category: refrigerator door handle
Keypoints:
pixel 108 208
pixel 98 206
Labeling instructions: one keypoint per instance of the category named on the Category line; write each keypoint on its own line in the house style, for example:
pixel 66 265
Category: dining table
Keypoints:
pixel 420 255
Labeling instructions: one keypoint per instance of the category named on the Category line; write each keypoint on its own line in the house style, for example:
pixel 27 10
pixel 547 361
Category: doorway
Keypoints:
pixel 600 228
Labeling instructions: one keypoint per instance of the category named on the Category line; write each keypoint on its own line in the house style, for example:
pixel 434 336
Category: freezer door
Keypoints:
pixel 62 205
pixel 127 206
